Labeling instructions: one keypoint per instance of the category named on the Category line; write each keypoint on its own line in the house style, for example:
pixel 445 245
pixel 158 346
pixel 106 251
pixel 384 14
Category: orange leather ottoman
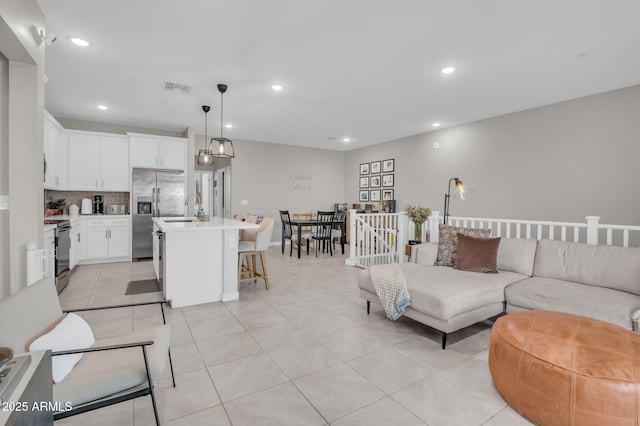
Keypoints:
pixel 561 369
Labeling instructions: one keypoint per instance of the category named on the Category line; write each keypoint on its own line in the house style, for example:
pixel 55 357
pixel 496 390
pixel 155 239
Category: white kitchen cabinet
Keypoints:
pixel 108 239
pixel 78 237
pixel 98 162
pixel 158 152
pixel 56 151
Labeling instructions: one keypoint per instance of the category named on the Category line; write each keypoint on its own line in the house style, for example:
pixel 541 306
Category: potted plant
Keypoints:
pixel 418 215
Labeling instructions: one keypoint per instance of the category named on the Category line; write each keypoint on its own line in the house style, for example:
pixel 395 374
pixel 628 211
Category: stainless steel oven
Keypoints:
pixel 62 249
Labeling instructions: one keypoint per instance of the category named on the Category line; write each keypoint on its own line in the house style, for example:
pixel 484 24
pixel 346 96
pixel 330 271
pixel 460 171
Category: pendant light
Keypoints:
pixel 205 156
pixel 225 146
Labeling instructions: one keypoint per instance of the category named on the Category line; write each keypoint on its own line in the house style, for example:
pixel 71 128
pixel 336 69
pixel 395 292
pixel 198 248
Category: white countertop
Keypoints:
pixel 50 227
pixel 87 216
pixel 169 224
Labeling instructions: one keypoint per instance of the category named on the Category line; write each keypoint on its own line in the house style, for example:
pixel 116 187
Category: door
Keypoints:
pixel 118 241
pixel 84 169
pixel 172 154
pixel 170 198
pixel 114 160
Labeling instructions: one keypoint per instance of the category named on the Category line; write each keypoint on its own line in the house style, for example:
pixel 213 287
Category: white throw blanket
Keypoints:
pixel 391 287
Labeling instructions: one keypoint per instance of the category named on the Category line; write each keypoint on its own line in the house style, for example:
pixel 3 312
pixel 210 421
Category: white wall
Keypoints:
pixel 22 136
pixel 558 162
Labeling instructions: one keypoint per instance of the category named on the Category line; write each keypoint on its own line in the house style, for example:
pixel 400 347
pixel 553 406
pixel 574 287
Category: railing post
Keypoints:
pixel 592 229
pixel 403 221
pixel 351 260
pixel 434 226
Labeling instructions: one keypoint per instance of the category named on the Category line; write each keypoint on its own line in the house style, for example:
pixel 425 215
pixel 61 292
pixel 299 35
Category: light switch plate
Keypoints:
pixel 244 202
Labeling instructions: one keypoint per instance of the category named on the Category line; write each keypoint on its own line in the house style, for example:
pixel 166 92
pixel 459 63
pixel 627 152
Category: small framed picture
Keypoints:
pixel 375 181
pixel 388 166
pixel 375 167
pixel 364 182
pixel 387 180
pixel 364 195
pixel 387 194
pixel 364 168
pixel 374 195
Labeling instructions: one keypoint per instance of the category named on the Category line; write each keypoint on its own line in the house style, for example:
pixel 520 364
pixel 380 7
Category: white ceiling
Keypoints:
pixel 364 69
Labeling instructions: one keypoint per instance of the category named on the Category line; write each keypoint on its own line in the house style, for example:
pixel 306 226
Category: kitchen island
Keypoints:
pixel 197 261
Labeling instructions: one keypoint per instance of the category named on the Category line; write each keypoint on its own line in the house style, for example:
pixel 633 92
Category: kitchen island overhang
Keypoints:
pixel 200 261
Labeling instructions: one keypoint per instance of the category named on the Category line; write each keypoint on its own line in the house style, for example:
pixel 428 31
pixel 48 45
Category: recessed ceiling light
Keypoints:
pixel 277 87
pixel 436 124
pixel 346 139
pixel 447 70
pixel 79 42
pixel 228 125
pixel 103 107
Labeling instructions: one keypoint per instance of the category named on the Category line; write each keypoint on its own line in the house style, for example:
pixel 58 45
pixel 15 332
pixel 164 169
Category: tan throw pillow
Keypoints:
pixel 477 254
pixel 448 242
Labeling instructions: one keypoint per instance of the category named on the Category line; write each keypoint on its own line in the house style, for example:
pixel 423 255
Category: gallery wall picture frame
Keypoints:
pixel 376 181
pixel 387 180
pixel 364 196
pixel 387 194
pixel 375 167
pixel 364 182
pixel 374 195
pixel 389 165
pixel 364 168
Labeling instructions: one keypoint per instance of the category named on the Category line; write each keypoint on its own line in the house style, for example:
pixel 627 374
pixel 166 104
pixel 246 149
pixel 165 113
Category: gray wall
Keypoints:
pixel 274 177
pixel 559 162
pixel 21 137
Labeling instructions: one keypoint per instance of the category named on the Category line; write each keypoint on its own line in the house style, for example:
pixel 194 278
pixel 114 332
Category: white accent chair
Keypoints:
pixel 113 370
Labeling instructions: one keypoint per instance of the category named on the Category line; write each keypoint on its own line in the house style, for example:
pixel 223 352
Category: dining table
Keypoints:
pixel 300 223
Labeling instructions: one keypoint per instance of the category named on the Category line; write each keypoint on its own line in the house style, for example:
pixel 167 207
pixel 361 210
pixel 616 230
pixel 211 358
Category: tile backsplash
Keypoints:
pixel 75 197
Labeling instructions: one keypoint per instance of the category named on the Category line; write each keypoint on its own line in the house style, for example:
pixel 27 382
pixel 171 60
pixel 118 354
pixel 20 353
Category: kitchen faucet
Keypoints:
pixel 196 206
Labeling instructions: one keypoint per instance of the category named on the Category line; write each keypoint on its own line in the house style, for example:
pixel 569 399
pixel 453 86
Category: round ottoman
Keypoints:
pixel 561 369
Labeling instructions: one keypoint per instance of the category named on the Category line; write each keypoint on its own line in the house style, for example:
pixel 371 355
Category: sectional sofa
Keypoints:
pixel 601 282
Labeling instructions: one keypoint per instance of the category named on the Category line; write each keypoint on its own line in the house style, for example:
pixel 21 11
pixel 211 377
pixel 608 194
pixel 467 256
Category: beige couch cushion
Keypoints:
pixel 538 293
pixel 605 266
pixel 517 255
pixel 443 292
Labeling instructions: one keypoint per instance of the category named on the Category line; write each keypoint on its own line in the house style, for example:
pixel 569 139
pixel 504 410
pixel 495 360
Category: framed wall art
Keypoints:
pixel 387 194
pixel 364 168
pixel 375 181
pixel 374 195
pixel 387 180
pixel 364 195
pixel 364 182
pixel 388 166
pixel 375 167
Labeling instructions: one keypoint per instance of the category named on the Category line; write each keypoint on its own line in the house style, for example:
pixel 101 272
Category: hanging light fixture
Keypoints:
pixel 225 146
pixel 205 156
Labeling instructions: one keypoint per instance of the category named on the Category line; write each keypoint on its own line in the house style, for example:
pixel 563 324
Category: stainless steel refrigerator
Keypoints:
pixel 155 193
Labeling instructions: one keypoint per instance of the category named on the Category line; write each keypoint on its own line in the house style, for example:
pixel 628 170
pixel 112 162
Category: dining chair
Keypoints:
pixel 323 230
pixel 306 232
pixel 336 229
pixel 285 218
pixel 249 250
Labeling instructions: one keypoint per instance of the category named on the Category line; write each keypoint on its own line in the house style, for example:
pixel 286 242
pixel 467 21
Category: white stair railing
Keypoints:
pixel 376 238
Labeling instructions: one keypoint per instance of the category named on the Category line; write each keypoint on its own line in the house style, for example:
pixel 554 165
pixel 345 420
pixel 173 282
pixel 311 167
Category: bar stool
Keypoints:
pixel 248 250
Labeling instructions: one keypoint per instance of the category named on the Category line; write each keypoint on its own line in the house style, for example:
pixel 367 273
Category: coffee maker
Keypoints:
pixel 98 204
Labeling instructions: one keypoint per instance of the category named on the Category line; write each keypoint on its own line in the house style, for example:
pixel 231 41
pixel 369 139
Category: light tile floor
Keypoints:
pixel 303 353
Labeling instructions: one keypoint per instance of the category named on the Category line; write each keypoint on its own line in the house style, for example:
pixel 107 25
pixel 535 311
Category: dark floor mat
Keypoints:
pixel 142 286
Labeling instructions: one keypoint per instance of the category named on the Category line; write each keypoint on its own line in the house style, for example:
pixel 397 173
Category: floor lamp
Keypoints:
pixel 447 196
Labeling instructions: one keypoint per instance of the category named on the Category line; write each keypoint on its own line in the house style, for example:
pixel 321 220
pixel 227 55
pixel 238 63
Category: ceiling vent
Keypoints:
pixel 170 85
